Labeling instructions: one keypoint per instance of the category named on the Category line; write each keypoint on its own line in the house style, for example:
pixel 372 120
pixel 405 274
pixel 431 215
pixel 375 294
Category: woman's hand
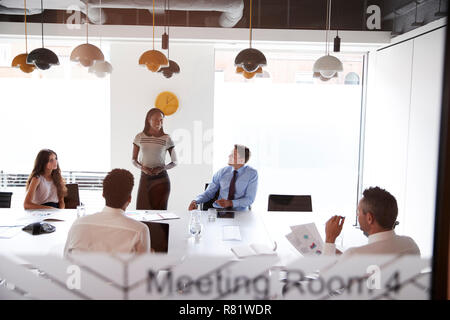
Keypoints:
pixel 157 170
pixel 147 170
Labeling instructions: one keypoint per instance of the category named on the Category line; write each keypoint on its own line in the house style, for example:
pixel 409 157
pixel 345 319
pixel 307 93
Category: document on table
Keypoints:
pixel 306 239
pixel 152 216
pixel 231 233
pixel 254 249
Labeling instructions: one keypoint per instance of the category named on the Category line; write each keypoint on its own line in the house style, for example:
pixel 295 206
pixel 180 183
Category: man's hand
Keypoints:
pixel 225 203
pixel 333 228
pixel 193 205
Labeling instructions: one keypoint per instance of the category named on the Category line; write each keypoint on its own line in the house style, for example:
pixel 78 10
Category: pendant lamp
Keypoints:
pixel 173 66
pixel 153 59
pixel 86 53
pixel 327 66
pixel 100 67
pixel 250 61
pixel 20 61
pixel 42 58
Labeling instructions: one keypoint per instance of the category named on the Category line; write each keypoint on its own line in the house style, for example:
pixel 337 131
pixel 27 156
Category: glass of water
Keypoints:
pixel 195 224
pixel 81 210
pixel 212 214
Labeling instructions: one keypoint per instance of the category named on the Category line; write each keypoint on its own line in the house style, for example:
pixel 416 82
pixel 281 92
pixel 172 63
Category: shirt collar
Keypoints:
pixel 238 170
pixel 380 236
pixel 113 210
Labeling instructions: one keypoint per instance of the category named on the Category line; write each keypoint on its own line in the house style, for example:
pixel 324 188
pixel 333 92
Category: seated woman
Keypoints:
pixel 45 186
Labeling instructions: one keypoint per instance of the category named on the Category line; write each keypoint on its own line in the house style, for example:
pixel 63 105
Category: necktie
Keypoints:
pixel 232 189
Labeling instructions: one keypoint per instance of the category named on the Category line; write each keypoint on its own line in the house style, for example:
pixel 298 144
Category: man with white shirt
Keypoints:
pixel 110 230
pixel 377 214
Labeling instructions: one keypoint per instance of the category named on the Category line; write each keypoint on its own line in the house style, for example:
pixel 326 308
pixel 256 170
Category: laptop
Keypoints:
pixel 159 236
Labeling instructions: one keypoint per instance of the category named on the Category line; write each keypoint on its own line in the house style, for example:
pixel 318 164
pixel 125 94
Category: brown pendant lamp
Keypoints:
pixel 20 61
pixel 86 53
pixel 153 59
pixel 42 58
pixel 250 61
pixel 173 66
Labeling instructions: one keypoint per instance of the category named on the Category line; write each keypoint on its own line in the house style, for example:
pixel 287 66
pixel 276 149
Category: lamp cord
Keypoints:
pixel 87 22
pixel 328 23
pixel 42 23
pixel 168 28
pixel 153 24
pixel 26 37
pixel 250 23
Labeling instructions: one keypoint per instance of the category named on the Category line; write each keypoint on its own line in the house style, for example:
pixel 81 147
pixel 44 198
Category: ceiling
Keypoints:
pixel 398 16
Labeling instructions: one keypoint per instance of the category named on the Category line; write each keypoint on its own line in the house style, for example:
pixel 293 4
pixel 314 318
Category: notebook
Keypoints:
pixel 253 249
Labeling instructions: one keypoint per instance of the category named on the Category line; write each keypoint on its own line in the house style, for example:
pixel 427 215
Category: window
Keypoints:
pixel 303 133
pixel 65 109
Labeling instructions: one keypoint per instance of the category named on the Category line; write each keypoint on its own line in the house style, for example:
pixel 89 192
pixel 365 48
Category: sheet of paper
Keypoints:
pixel 231 233
pixel 168 215
pixel 261 248
pixel 243 251
pixel 308 240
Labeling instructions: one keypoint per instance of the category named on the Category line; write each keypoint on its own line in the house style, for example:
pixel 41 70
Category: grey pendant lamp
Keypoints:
pixel 327 66
pixel 42 58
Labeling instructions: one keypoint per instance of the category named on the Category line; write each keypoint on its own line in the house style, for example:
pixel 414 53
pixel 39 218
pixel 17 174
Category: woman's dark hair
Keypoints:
pixel 39 169
pixel 150 113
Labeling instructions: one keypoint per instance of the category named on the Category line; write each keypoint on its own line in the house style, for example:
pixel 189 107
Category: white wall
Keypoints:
pixel 402 130
pixel 133 92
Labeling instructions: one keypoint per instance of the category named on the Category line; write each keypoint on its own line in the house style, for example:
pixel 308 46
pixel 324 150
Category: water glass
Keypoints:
pixel 195 225
pixel 81 211
pixel 212 214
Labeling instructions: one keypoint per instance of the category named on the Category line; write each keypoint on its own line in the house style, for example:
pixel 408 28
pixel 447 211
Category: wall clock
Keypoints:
pixel 167 102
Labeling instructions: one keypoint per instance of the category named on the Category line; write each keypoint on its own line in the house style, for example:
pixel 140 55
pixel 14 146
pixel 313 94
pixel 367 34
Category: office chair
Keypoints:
pixel 205 206
pixel 72 200
pixel 5 199
pixel 279 202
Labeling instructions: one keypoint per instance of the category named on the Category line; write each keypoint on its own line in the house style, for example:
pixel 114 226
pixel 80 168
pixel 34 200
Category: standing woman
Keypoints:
pixel 45 186
pixel 153 142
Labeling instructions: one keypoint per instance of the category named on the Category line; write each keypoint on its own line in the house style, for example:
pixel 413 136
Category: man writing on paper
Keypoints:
pixel 236 183
pixel 110 230
pixel 377 214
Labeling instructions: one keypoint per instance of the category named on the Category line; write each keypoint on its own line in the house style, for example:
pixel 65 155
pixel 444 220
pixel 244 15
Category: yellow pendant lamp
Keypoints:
pixel 153 59
pixel 20 61
pixel 86 54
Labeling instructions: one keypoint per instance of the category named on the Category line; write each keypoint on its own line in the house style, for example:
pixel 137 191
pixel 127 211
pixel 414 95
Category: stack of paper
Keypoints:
pixel 306 239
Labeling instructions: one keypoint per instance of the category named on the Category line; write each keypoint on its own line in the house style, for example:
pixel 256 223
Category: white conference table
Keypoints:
pixel 255 227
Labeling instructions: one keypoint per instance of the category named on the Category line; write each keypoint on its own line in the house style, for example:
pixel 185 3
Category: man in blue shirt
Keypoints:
pixel 237 183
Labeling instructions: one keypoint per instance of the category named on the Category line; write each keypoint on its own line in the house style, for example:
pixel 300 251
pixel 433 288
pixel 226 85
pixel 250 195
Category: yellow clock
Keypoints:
pixel 167 102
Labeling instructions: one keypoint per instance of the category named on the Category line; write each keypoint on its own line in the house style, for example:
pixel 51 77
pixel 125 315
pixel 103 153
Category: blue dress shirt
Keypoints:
pixel 246 185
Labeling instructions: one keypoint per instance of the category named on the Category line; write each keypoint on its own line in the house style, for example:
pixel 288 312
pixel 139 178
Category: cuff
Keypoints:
pixel 329 249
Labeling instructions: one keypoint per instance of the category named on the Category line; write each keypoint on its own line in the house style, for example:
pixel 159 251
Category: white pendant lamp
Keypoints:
pixel 327 66
pixel 100 67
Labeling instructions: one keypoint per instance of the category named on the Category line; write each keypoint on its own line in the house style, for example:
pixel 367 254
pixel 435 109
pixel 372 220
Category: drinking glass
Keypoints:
pixel 212 214
pixel 195 225
pixel 81 210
